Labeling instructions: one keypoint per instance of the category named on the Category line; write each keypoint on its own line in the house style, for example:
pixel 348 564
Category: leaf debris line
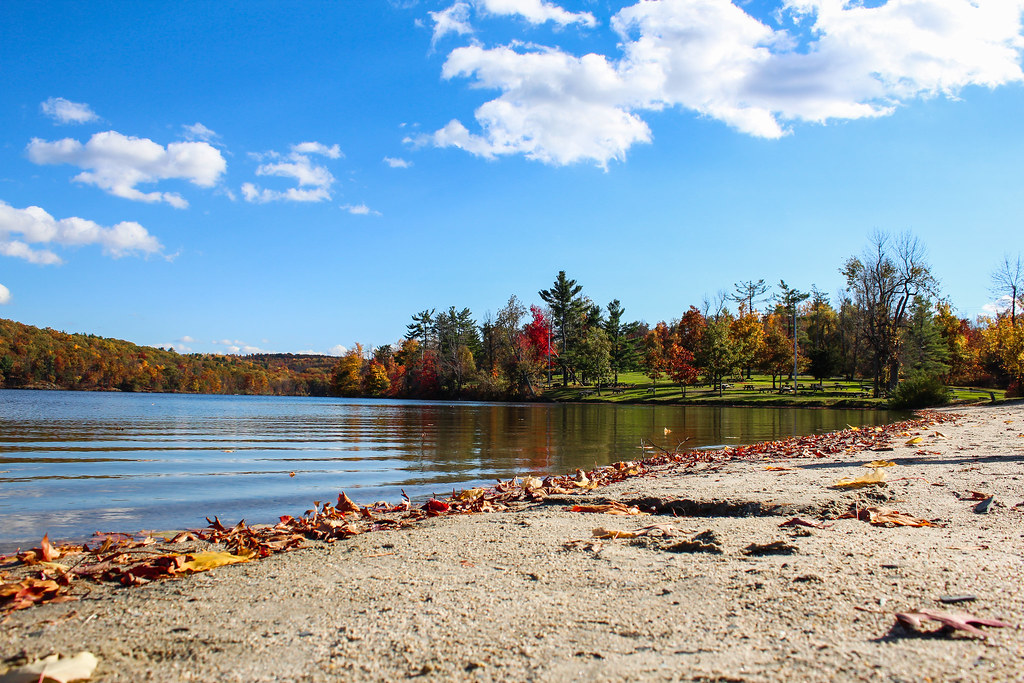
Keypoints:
pixel 138 559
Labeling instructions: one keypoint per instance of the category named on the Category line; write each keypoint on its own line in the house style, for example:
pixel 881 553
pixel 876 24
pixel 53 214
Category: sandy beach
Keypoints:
pixel 713 588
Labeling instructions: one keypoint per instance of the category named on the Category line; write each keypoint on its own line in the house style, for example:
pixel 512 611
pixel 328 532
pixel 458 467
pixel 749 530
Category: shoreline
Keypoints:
pixel 773 401
pixel 531 593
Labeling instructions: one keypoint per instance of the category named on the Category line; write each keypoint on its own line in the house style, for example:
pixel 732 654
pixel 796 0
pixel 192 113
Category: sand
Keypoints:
pixel 531 594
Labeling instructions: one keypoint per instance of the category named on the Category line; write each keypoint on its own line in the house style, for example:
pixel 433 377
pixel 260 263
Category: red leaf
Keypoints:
pixel 437 506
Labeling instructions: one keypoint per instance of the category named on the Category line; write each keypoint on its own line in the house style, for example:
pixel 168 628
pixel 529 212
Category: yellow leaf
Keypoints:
pixel 469 495
pixel 879 463
pixel 601 532
pixel 54 565
pixel 54 668
pixel 872 478
pixel 201 562
pixel 916 440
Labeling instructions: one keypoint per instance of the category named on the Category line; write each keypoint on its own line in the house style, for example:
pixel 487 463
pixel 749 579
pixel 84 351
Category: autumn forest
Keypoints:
pixel 890 324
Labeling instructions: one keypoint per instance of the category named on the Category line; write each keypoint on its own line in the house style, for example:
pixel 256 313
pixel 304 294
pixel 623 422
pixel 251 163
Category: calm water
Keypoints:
pixel 72 463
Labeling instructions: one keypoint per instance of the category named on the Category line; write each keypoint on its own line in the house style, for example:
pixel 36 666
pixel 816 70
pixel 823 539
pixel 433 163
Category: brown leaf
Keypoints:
pixel 613 508
pixel 796 521
pixel 883 517
pixel 957 621
pixel 345 504
pixel 28 592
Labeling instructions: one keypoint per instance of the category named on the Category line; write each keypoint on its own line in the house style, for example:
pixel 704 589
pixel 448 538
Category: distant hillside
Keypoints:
pixel 31 357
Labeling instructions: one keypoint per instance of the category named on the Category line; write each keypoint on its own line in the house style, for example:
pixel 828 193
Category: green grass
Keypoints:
pixel 637 390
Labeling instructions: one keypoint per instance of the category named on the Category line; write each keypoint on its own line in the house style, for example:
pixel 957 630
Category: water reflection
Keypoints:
pixel 72 463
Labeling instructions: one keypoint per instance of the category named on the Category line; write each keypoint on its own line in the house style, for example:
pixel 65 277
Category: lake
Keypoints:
pixel 72 463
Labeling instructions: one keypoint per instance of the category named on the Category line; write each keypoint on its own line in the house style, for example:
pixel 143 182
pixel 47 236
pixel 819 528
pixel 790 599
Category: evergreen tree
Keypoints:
pixel 567 311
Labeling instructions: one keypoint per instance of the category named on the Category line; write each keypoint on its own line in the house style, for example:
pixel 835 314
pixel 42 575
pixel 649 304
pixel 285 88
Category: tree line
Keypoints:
pixel 31 357
pixel 889 324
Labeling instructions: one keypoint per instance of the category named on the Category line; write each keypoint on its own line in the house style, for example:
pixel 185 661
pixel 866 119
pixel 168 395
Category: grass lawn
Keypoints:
pixel 635 387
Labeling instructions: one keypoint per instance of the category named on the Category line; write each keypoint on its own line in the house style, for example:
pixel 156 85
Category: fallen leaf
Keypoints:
pixel 613 508
pixel 873 478
pixel 883 517
pixel 879 463
pixel 916 440
pixel 54 668
pixel 201 562
pixel 601 532
pixel 958 621
pixel 773 548
pixel 777 468
pixel 983 507
pixel 469 495
pixel 796 521
pixel 345 504
pixel 437 506
pixel 28 592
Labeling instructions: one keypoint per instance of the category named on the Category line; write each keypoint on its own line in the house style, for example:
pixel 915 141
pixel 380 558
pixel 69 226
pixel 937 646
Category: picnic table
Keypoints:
pixel 749 387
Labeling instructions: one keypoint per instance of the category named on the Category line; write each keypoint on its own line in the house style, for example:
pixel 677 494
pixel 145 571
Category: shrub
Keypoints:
pixel 920 391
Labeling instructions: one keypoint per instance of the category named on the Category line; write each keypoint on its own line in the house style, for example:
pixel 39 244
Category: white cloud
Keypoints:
pixel 537 12
pixel 179 345
pixel 65 111
pixel 314 181
pixel 998 306
pixel 198 131
pixel 19 249
pixel 337 350
pixel 21 228
pixel 395 162
pixel 332 152
pixel 359 210
pixel 119 163
pixel 455 19
pixel 5 295
pixel 555 108
pixel 827 60
pixel 236 347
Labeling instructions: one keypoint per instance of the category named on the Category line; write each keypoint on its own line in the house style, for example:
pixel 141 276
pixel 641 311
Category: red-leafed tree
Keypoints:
pixel 537 334
pixel 679 362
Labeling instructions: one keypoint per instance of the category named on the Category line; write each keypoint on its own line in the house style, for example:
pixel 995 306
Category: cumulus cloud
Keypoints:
pixel 454 19
pixel 179 345
pixel 332 152
pixel 537 12
pixel 198 131
pixel 236 346
pixel 822 60
pixel 22 228
pixel 65 111
pixel 360 210
pixel 337 350
pixel 395 162
pixel 1000 305
pixel 118 163
pixel 5 295
pixel 314 181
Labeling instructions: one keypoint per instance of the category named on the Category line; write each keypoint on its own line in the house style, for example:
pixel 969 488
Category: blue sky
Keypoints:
pixel 296 177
